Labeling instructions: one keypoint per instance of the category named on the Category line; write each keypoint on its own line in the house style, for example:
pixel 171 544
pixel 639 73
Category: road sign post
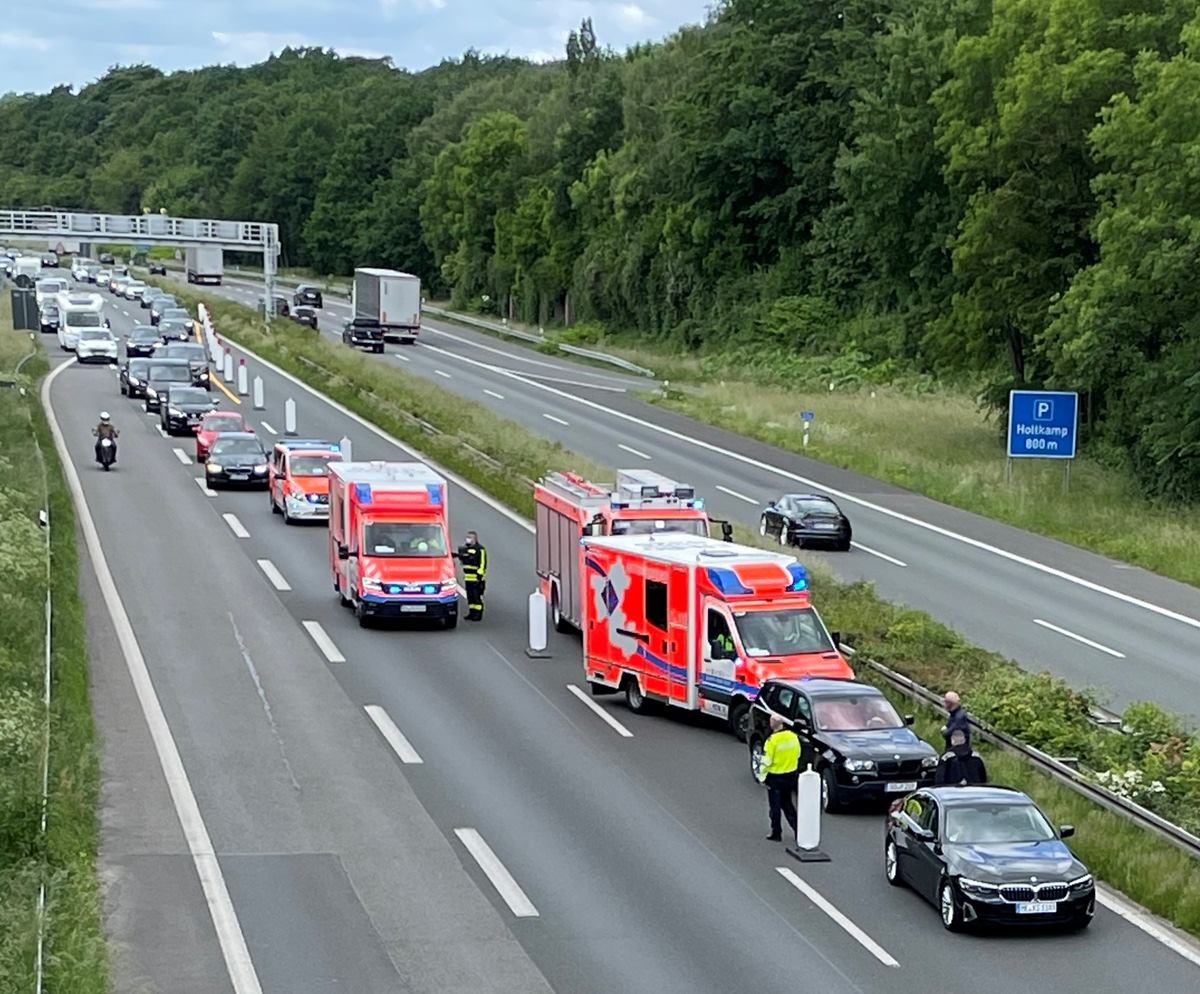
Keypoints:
pixel 1043 424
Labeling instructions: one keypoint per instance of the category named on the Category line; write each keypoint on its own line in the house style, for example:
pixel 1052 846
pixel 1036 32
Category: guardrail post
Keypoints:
pixel 259 403
pixel 242 376
pixel 289 417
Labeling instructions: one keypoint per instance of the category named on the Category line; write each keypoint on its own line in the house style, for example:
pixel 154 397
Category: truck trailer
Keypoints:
pixel 390 299
pixel 205 264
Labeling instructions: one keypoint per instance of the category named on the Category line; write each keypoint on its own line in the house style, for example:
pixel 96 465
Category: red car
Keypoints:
pixel 212 425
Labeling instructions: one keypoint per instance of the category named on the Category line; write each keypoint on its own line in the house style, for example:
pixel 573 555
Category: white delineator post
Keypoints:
pixel 347 448
pixel 537 626
pixel 289 417
pixel 808 819
pixel 227 373
pixel 260 403
pixel 243 375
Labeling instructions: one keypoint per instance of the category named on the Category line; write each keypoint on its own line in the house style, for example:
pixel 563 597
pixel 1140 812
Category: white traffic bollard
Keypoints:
pixel 228 373
pixel 289 417
pixel 259 403
pixel 346 447
pixel 243 376
pixel 537 626
pixel 808 819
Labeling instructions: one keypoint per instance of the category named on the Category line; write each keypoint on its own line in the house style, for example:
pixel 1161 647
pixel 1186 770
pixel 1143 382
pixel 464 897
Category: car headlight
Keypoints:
pixel 214 467
pixel 261 468
pixel 370 583
pixel 1086 882
pixel 450 584
pixel 978 888
pixel 204 374
pixel 175 412
pixel 859 765
pixel 929 763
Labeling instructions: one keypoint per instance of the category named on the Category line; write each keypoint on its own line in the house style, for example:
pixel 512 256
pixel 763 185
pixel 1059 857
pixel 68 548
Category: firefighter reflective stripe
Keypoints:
pixel 781 753
pixel 474 563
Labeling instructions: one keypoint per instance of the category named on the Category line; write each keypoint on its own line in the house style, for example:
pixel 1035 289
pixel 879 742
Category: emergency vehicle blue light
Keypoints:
pixel 698 503
pixel 726 581
pixel 799 577
pixel 362 493
pixel 435 493
pixel 429 588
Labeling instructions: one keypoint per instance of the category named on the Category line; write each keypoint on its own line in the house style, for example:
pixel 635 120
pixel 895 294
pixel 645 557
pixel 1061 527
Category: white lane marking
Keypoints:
pixel 125 312
pixel 603 715
pixel 200 482
pixel 220 905
pixel 270 430
pixel 442 372
pixel 859 936
pixel 400 358
pixel 1182 944
pixel 324 642
pixel 558 421
pixel 492 393
pixel 159 429
pixel 734 493
pixel 236 526
pixel 395 738
pixel 632 451
pixel 182 456
pixel 273 574
pixel 851 498
pixel 1079 638
pixel 501 879
pixel 880 555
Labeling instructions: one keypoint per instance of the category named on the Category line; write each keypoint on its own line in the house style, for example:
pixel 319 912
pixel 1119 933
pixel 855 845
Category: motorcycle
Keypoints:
pixel 106 453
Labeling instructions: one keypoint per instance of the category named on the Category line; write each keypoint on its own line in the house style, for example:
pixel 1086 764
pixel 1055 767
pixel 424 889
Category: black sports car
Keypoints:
pixel 304 315
pixel 804 519
pixel 133 376
pixel 142 341
pixel 307 295
pixel 863 749
pixel 158 269
pixel 237 458
pixel 987 855
pixel 182 408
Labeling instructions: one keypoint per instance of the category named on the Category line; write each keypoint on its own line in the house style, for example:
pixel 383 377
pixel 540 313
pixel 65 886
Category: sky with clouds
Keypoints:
pixel 76 41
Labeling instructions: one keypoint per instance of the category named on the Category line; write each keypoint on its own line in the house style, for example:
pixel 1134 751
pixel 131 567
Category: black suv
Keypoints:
pixel 305 315
pixel 363 333
pixel 158 269
pixel 307 295
pixel 851 735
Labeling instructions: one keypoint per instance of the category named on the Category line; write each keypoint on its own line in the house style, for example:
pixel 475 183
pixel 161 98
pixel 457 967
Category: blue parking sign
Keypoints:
pixel 1042 424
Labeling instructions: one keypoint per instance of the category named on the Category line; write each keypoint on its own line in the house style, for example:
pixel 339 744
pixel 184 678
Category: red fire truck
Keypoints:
pixel 699 624
pixel 570 507
pixel 389 546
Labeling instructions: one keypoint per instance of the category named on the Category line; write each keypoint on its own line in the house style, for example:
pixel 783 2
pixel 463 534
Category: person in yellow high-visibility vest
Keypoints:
pixel 781 769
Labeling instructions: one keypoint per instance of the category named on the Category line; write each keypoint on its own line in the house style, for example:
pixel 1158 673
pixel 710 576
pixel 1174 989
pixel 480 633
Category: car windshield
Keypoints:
pixel 176 314
pixel 973 824
pixel 190 395
pixel 855 713
pixel 312 465
pixel 222 422
pixel 237 447
pixel 403 539
pixel 164 303
pixel 144 334
pixel 171 374
pixel 138 367
pixel 649 526
pixel 84 319
pixel 185 351
pixel 94 335
pixel 782 633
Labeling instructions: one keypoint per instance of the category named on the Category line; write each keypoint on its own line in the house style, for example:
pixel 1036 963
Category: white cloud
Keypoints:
pixel 255 46
pixel 631 17
pixel 23 40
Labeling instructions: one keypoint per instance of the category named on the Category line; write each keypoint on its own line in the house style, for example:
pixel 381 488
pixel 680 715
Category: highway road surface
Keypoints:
pixel 426 811
pixel 1052 607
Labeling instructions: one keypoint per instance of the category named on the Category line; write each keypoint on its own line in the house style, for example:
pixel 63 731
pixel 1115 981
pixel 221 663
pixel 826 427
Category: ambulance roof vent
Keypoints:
pixel 720 553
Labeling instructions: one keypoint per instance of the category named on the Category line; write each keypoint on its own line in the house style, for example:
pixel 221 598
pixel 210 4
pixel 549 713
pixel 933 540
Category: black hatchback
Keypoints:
pixel 309 295
pixel 183 407
pixel 142 341
pixel 806 519
pixel 850 733
pixel 236 458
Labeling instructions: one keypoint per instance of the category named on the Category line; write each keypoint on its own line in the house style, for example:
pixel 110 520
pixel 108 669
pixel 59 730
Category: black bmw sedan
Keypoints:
pixel 237 458
pixel 142 341
pixel 183 407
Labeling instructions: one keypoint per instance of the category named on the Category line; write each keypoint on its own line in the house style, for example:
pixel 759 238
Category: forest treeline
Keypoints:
pixel 1002 191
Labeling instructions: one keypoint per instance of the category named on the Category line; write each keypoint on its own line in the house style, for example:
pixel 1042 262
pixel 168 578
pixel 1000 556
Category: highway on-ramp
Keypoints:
pixel 408 810
pixel 1052 607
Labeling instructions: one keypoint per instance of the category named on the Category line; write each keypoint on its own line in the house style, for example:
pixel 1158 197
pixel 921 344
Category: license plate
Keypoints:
pixel 239 476
pixel 826 526
pixel 412 608
pixel 1037 908
pixel 901 788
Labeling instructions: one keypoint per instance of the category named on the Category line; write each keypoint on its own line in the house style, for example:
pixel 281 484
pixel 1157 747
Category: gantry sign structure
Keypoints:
pixel 148 229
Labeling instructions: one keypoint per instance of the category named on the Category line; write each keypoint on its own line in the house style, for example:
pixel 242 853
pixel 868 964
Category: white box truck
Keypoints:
pixel 390 298
pixel 205 264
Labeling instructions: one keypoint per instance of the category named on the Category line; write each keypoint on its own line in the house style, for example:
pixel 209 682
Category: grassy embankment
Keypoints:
pixel 1034 708
pixel 66 857
pixel 929 439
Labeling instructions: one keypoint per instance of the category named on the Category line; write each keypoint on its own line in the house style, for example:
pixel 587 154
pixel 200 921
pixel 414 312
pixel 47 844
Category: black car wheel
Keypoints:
pixel 739 720
pixel 831 801
pixel 378 348
pixel 891 864
pixel 560 623
pixel 756 755
pixel 952 919
pixel 634 697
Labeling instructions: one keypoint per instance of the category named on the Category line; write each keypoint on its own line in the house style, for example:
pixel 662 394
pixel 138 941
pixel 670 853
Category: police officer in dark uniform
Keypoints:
pixel 473 557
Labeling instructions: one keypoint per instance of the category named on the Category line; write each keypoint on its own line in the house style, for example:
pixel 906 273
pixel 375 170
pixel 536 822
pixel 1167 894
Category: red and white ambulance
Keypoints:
pixel 389 542
pixel 569 507
pixel 699 624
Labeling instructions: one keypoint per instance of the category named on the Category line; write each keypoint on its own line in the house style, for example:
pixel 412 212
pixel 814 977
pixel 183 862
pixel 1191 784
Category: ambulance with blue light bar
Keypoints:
pixel 298 478
pixel 389 541
pixel 569 508
pixel 698 624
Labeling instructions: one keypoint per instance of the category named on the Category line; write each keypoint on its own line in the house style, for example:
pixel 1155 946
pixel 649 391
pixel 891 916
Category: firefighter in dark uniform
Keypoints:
pixel 473 557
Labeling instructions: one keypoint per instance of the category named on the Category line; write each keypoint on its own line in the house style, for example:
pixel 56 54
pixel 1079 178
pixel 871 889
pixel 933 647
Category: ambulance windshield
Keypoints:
pixel 403 539
pixel 650 526
pixel 312 465
pixel 786 632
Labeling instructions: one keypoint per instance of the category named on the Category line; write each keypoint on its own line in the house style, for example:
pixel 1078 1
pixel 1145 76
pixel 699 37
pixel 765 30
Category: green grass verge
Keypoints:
pixel 75 955
pixel 1035 708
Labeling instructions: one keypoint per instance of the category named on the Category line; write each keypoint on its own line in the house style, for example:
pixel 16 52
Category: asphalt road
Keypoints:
pixel 1128 633
pixel 641 859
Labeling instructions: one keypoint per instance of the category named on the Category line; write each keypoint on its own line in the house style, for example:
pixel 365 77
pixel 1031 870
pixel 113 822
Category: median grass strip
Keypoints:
pixel 1044 712
pixel 65 858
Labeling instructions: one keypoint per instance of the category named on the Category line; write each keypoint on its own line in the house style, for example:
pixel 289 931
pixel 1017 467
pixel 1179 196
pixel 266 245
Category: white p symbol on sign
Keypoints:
pixel 1043 410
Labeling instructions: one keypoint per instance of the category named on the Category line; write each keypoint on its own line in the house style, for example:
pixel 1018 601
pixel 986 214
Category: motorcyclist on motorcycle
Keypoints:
pixel 106 429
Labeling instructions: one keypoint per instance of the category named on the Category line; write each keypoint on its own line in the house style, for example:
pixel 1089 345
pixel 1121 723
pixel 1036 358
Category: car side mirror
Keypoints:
pixel 801 723
pixel 910 719
pixel 343 552
pixel 1066 831
pixel 837 639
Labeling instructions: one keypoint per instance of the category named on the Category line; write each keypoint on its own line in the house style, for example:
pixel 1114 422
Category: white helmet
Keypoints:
pixel 104 415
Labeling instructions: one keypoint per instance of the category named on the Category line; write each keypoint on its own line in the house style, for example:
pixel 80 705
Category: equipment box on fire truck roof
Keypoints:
pixel 698 624
pixel 570 507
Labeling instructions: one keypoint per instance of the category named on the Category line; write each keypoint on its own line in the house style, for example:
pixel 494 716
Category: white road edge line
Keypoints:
pixel 559 421
pixel 204 489
pixel 235 526
pixel 1182 944
pixel 159 429
pixel 734 493
pixel 849 498
pixel 861 937
pixel 270 429
pixel 402 358
pixel 501 879
pixel 182 456
pixel 632 451
pixel 442 372
pixel 273 574
pixel 492 393
pixel 324 642
pixel 603 715
pixel 881 555
pixel 230 937
pixel 395 738
pixel 1079 638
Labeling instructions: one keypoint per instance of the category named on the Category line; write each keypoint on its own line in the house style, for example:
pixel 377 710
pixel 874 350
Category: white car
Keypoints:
pixel 96 345
pixel 102 277
pixel 134 290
